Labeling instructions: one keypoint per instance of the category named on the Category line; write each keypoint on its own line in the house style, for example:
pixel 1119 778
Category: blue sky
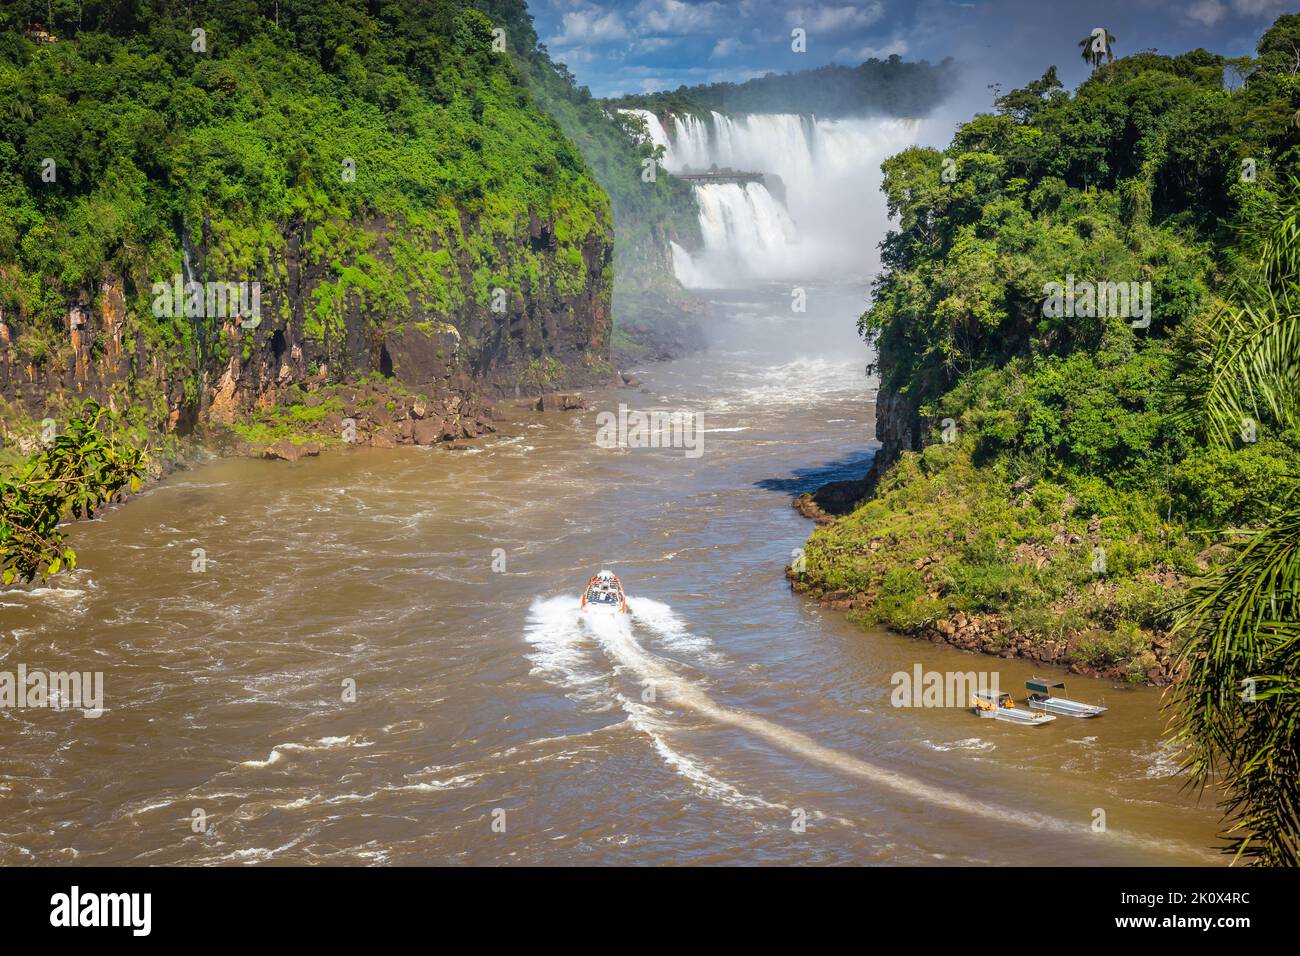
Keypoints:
pixel 632 46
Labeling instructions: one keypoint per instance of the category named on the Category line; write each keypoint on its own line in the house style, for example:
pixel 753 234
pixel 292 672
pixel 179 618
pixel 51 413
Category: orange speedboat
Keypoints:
pixel 604 593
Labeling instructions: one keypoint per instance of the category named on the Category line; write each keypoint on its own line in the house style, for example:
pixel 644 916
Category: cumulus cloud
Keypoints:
pixel 835 17
pixel 1208 12
pixel 590 26
pixel 726 47
pixel 651 44
pixel 576 56
pixel 675 17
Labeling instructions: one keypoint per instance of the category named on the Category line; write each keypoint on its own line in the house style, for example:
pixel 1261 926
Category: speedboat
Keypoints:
pixel 604 594
pixel 1043 699
pixel 985 703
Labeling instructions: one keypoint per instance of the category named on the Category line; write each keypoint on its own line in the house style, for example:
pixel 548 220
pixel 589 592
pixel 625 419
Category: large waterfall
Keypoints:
pixel 830 218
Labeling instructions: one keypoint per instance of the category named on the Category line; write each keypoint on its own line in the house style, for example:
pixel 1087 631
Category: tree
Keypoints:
pixel 1098 47
pixel 1237 705
pixel 1243 370
pixel 1024 103
pixel 76 473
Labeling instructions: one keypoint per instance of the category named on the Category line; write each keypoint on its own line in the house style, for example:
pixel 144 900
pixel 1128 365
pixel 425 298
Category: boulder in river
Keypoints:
pixel 427 431
pixel 560 403
pixel 285 450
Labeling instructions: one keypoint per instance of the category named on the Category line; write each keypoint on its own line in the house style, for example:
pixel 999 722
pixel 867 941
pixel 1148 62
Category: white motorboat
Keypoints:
pixel 604 595
pixel 1042 698
pixel 986 703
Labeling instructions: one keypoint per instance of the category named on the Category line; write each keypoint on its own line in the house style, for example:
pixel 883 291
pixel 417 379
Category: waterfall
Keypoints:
pixel 833 215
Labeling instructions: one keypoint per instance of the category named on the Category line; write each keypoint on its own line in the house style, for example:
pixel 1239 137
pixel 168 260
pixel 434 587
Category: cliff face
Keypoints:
pixel 898 429
pixel 544 333
pixel 398 209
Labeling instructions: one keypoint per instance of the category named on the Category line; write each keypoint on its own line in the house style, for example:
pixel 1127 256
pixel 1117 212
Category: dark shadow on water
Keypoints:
pixel 849 468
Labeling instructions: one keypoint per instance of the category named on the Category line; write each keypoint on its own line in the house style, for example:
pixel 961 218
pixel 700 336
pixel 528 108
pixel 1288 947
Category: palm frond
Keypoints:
pixel 1250 361
pixel 1237 706
pixel 1244 360
pixel 1279 246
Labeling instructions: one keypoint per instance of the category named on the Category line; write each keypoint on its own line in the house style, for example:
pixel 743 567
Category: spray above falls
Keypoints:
pixel 783 196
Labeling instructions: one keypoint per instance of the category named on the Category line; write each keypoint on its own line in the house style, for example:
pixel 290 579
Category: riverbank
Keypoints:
pixel 953 554
pixel 302 419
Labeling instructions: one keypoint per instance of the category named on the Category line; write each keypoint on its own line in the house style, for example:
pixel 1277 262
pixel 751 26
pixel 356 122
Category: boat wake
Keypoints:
pixel 563 638
pixel 576 650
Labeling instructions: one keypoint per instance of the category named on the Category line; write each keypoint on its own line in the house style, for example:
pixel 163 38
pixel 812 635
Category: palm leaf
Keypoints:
pixel 1250 356
pixel 1240 627
pixel 1244 359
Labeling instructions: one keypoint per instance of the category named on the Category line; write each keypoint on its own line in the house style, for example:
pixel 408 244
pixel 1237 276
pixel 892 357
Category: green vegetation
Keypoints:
pixel 1083 436
pixel 1070 435
pixel 889 87
pixel 392 138
pixel 373 166
pixel 75 473
pixel 297 422
pixel 942 536
pixel 1237 709
pixel 647 215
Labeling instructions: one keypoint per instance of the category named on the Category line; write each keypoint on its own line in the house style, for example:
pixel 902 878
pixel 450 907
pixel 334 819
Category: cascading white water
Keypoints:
pixel 833 215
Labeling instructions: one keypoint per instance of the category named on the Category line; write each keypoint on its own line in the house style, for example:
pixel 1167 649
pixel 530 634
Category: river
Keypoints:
pixel 731 722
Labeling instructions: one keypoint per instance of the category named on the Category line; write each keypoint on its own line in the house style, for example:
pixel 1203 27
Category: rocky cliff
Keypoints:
pixel 521 340
pixel 391 203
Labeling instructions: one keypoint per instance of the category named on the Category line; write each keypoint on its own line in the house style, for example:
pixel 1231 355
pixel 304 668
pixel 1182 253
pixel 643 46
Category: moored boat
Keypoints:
pixel 986 703
pixel 604 594
pixel 1042 698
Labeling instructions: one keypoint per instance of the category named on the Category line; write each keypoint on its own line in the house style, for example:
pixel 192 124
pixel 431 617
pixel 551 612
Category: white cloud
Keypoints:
pixel 651 44
pixel 574 56
pixel 675 17
pixel 884 52
pixel 1256 8
pixel 835 18
pixel 1208 12
pixel 590 26
pixel 726 47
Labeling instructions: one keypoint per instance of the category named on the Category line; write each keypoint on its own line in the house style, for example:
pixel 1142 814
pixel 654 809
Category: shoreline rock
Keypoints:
pixel 991 634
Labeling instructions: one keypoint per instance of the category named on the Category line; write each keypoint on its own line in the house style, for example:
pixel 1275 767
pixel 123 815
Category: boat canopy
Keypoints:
pixel 1044 686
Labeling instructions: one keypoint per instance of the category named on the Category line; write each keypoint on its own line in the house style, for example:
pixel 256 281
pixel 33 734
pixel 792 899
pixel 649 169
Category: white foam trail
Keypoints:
pixel 615 636
pixel 641 717
pixel 558 649
pixel 671 631
pixel 564 649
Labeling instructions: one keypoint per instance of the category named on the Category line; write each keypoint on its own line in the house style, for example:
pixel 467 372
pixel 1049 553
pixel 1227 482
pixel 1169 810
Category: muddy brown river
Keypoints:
pixel 729 721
